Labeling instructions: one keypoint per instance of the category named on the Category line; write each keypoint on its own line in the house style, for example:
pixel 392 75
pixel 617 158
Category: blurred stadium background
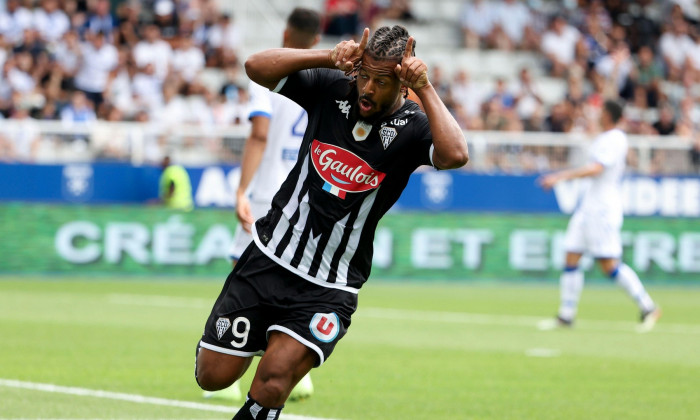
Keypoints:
pixel 103 292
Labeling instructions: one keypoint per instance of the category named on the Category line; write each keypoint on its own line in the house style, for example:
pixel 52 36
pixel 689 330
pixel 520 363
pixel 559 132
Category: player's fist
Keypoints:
pixel 412 71
pixel 243 212
pixel 347 54
pixel 548 181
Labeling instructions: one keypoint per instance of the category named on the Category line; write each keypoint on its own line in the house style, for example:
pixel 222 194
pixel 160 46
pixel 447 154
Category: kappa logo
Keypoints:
pixel 344 107
pixel 387 134
pixel 325 327
pixel 222 325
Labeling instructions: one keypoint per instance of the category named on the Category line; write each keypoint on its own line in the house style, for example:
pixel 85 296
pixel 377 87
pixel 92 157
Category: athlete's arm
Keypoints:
pixel 268 67
pixel 585 171
pixel 450 146
pixel 252 155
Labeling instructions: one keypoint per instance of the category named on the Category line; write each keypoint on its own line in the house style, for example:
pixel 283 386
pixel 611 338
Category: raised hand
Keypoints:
pixel 347 54
pixel 412 71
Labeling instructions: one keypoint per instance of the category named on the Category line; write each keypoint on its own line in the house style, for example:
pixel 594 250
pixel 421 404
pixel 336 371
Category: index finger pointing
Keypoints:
pixel 409 48
pixel 365 39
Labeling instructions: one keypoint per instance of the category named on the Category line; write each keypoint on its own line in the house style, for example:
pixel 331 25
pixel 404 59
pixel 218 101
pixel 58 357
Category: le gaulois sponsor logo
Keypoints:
pixel 343 171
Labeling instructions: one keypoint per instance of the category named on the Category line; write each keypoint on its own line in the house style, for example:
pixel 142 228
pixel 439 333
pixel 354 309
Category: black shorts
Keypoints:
pixel 260 296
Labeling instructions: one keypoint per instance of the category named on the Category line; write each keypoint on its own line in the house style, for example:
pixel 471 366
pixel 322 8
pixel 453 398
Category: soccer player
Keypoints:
pixel 271 150
pixel 595 226
pixel 292 293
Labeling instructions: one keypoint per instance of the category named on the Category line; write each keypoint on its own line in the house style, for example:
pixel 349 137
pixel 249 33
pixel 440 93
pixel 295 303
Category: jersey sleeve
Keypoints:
pixel 306 86
pixel 423 147
pixel 260 103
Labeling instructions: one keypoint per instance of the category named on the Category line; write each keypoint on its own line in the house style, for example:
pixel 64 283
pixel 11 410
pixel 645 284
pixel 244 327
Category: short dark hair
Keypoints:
pixel 614 109
pixel 305 20
pixel 389 42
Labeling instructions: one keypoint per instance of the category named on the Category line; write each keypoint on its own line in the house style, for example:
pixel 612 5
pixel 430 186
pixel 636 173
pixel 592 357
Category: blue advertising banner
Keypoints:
pixel 427 190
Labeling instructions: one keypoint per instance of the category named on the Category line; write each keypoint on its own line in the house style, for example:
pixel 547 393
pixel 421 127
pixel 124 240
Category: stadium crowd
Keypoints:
pixel 82 60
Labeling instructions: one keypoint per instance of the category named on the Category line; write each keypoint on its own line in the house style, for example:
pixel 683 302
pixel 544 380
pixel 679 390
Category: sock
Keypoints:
pixel 570 287
pixel 252 410
pixel 628 279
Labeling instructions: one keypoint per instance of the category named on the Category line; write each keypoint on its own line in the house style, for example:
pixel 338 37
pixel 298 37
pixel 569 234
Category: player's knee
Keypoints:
pixel 209 379
pixel 210 376
pixel 277 385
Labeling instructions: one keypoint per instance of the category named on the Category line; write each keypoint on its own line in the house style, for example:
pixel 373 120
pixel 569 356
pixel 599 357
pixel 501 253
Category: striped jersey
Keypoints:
pixel 348 175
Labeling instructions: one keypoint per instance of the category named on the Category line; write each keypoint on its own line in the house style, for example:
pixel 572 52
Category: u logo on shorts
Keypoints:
pixel 325 327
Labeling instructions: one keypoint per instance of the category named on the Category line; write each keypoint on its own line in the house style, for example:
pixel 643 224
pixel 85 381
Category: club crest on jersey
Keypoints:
pixel 325 327
pixel 222 325
pixel 387 134
pixel 343 171
pixel 344 107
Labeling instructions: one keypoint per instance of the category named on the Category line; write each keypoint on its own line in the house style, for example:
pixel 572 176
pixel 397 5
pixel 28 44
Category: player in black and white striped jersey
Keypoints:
pixel 292 294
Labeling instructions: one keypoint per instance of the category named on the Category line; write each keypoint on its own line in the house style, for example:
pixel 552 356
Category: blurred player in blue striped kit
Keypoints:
pixel 595 226
pixel 270 152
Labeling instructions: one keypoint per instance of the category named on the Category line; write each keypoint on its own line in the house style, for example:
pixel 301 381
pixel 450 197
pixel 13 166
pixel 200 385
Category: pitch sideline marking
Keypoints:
pixel 418 315
pixel 134 398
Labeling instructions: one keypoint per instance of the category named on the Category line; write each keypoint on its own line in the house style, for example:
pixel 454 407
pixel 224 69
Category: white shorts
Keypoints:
pixel 241 238
pixel 595 234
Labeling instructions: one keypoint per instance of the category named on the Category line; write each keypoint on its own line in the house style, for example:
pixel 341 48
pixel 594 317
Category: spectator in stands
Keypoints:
pixel 342 17
pixel 559 120
pixel 595 40
pixel 97 60
pixel 513 26
pixel 675 44
pixel 125 33
pixel 225 40
pixel 100 19
pixel 528 103
pixel 67 61
pixel 153 50
pixel 477 24
pixel 502 95
pixel 188 60
pixel 467 98
pixel 51 21
pixel 638 114
pixel 146 87
pixel 78 110
pixel 166 19
pixel 559 46
pixel 666 124
pixel 616 68
pixel 647 74
pixel 174 108
pixel 15 21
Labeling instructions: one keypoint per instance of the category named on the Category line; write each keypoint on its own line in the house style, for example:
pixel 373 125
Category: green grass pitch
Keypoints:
pixel 414 351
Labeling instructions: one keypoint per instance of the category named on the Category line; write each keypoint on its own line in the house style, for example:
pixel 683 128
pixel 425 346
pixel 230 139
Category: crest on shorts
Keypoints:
pixel 222 325
pixel 325 327
pixel 387 134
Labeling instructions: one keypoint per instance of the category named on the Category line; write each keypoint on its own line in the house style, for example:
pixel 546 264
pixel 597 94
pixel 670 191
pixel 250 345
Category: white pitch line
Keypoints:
pixel 134 398
pixel 418 315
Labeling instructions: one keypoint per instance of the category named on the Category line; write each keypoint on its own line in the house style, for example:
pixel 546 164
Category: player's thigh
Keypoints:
pixel 575 237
